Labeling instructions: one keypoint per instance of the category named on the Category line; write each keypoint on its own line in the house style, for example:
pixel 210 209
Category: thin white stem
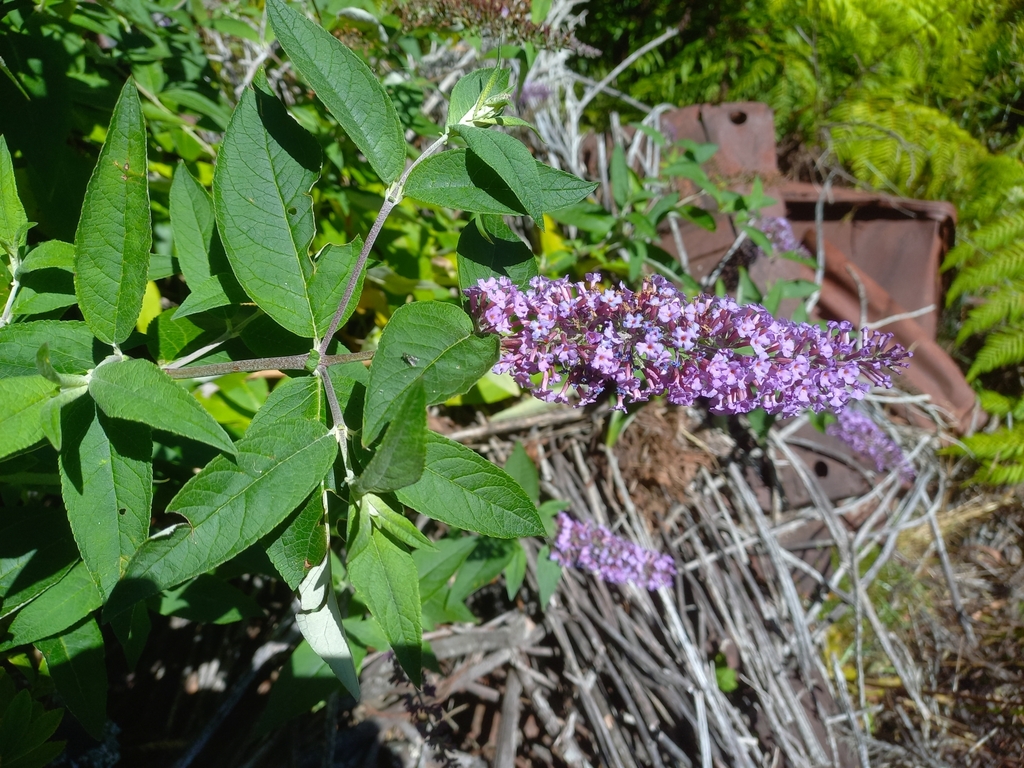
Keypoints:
pixel 901 316
pixel 819 236
pixel 8 312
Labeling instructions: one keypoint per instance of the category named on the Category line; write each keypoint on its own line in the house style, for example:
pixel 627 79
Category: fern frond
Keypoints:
pixel 1005 305
pixel 1001 445
pixel 1005 264
pixel 999 473
pixel 1000 232
pixel 995 403
pixel 1001 349
pixel 958 255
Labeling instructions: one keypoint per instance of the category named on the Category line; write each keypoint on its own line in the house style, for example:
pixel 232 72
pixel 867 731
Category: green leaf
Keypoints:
pixel 438 610
pixel 346 86
pixel 435 567
pixel 759 238
pixel 661 208
pixel 725 676
pixel 305 681
pixel 132 630
pixel 509 121
pixel 265 170
pixel 560 189
pixel 75 661
pixel 426 342
pixel 43 291
pixel 588 217
pixel 331 273
pixel 42 755
pixel 137 390
pixel 14 721
pixel 22 400
pixel 208 600
pixel 319 620
pixel 171 335
pixel 461 180
pixel 548 511
pixel 106 474
pixel 201 256
pixel 515 571
pixel 618 173
pixel 699 216
pixel 461 488
pixel 399 457
pixel 53 254
pixel 36 550
pixel 67 601
pixel 350 381
pixel 549 573
pixel 300 542
pixel 747 292
pixel 474 88
pixel 13 221
pixel 114 236
pixel 73 348
pixel 28 749
pixel 521 468
pixel 512 161
pixel 485 562
pixel 539 11
pixel 394 523
pixel 499 253
pixel 384 576
pixel 229 505
pixel 293 399
pixel 50 418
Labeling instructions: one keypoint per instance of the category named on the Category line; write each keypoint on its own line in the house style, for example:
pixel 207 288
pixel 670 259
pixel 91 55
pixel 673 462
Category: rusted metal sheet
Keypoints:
pixel 899 242
pixel 743 130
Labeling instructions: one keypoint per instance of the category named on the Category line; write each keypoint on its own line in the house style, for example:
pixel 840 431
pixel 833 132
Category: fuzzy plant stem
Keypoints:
pixel 394 197
pixel 287 362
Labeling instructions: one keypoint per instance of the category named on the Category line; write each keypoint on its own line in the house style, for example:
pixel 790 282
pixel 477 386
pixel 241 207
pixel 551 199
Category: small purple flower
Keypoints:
pixel 533 95
pixel 597 550
pixel 780 232
pixel 655 341
pixel 858 431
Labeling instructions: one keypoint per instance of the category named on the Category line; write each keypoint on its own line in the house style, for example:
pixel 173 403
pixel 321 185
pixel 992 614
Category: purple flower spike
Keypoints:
pixel 858 431
pixel 597 550
pixel 780 232
pixel 654 341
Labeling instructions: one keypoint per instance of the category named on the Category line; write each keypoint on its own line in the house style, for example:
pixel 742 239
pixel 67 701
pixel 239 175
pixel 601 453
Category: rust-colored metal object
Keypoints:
pixel 897 241
pixel 743 130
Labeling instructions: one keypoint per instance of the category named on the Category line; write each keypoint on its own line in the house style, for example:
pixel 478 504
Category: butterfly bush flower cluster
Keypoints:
pixel 597 550
pixel 780 232
pixel 858 431
pixel 654 341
